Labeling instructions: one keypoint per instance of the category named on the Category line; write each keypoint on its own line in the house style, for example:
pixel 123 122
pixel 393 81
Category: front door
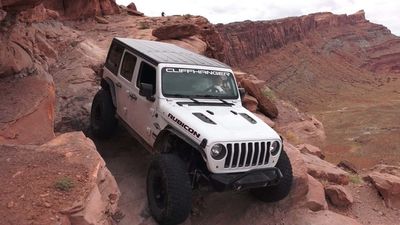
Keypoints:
pixel 141 113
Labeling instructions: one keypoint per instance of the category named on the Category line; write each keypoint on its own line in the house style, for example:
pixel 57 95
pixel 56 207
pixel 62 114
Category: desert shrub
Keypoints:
pixel 64 184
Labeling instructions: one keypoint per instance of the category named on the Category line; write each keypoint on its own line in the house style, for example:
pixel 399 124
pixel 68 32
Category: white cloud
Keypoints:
pixel 385 12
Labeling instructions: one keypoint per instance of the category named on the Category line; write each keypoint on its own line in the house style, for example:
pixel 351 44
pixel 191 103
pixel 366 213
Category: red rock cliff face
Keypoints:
pixel 68 9
pixel 247 40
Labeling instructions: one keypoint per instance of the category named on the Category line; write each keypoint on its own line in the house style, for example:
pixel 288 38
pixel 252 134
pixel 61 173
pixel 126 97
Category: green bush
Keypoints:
pixel 64 184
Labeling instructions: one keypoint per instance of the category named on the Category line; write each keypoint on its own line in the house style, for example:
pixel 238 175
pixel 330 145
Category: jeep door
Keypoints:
pixel 124 84
pixel 142 110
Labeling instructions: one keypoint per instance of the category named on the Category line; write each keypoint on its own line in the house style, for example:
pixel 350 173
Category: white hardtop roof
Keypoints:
pixel 160 52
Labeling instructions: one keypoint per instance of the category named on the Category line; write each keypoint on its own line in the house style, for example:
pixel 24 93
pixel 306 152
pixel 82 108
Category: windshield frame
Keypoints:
pixel 236 95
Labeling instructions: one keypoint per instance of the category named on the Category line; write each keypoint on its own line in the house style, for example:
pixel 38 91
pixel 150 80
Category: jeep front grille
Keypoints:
pixel 247 154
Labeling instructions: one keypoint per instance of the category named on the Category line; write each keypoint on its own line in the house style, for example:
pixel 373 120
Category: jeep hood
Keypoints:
pixel 219 123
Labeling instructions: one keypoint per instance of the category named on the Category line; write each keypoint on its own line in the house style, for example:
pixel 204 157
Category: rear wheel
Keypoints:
pixel 169 192
pixel 281 190
pixel 102 116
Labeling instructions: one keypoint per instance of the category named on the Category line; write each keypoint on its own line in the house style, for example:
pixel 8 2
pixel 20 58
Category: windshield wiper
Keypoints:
pixel 178 95
pixel 225 102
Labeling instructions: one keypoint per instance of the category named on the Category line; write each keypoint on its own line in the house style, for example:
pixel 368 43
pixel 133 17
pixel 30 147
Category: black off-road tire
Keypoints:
pixel 169 192
pixel 102 116
pixel 281 190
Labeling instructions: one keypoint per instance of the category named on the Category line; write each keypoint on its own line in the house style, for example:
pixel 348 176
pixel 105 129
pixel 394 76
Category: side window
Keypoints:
pixel 128 66
pixel 147 74
pixel 114 57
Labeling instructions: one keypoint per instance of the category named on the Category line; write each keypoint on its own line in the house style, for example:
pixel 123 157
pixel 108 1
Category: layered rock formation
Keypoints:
pixel 248 40
pixel 67 9
pixel 63 181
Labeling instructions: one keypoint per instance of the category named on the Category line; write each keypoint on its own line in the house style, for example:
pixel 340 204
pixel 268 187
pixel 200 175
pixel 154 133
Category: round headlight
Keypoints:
pixel 218 151
pixel 274 148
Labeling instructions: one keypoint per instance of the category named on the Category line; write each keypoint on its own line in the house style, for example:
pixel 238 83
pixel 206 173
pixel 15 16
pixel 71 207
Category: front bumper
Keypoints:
pixel 251 179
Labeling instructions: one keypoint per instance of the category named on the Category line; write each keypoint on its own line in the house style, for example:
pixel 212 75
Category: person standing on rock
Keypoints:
pixel 162 14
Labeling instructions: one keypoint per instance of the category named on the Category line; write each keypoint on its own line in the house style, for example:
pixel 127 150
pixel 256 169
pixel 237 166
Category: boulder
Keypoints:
pixel 309 130
pixel 346 165
pixel 311 149
pixel 265 119
pixel 101 20
pixel 27 109
pixel 134 12
pixel 315 199
pixel 300 177
pixel 193 44
pixel 14 59
pixel 324 170
pixel 132 6
pixel 339 195
pixel 64 181
pixel 257 88
pixel 388 186
pixel 175 31
pixel 250 103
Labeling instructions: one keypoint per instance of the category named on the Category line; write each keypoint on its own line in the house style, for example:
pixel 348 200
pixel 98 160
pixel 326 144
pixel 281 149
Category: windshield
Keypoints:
pixel 198 83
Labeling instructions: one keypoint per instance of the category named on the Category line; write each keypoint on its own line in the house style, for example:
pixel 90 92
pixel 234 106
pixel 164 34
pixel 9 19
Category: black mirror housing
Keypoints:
pixel 146 90
pixel 242 92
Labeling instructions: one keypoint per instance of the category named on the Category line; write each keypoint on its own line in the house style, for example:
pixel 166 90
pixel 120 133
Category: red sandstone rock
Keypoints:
pixel 175 31
pixel 315 199
pixel 256 88
pixel 250 103
pixel 324 170
pixel 265 119
pixel 309 130
pixel 19 5
pixel 247 40
pixel 134 12
pixel 338 195
pixel 323 217
pixel 27 110
pixel 388 186
pixel 101 20
pixel 311 149
pixel 132 6
pixel 193 44
pixel 37 14
pixel 300 176
pixel 14 59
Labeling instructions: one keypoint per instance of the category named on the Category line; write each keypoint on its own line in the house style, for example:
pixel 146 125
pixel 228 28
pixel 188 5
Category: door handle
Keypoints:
pixel 132 96
pixel 118 84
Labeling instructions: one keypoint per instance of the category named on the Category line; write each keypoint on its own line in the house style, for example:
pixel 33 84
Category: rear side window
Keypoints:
pixel 147 74
pixel 128 66
pixel 114 57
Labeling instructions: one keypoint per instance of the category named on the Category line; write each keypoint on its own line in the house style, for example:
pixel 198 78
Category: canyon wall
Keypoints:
pixel 244 41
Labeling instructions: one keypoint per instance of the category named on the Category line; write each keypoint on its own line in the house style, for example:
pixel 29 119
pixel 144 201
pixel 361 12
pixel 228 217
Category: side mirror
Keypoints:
pixel 242 92
pixel 146 90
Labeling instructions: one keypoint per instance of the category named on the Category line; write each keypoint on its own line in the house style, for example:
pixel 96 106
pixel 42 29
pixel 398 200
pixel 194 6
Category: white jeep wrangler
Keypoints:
pixel 186 109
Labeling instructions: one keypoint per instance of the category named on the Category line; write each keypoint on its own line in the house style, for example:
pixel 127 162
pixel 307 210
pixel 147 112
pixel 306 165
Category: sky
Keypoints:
pixel 385 12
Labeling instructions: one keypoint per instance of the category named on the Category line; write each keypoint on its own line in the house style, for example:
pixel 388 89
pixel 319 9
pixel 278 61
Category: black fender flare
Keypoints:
pixel 168 130
pixel 108 84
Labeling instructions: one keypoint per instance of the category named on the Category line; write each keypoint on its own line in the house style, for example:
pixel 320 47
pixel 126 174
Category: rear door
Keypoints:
pixel 124 84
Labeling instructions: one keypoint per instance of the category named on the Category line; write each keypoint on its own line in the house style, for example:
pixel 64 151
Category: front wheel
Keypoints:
pixel 281 190
pixel 169 192
pixel 102 116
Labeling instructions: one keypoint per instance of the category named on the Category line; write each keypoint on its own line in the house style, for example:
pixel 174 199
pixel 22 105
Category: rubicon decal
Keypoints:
pixel 186 127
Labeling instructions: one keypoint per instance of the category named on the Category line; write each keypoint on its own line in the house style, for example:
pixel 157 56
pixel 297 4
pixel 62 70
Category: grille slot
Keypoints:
pixel 247 154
